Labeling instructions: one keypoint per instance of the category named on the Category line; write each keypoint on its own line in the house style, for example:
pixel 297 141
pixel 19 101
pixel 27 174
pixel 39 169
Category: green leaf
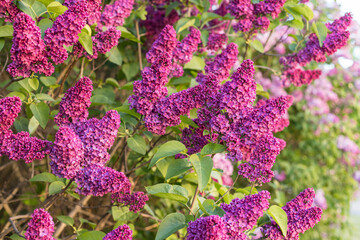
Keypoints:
pixel 56 7
pixel 56 187
pixel 208 16
pixel 6 31
pixel 66 219
pixel 171 167
pixel 299 10
pixel 203 167
pixel 112 82
pixel 46 2
pixel 32 8
pixel 48 81
pixel 123 214
pixel 168 149
pixel 86 41
pixel 196 63
pixel 164 190
pixel 15 236
pixel 44 24
pixel 212 148
pixel 21 124
pixel 320 30
pixel 138 144
pixel 33 125
pixel 280 217
pixel 263 93
pixel 188 121
pixel 41 112
pixel 92 235
pixel 44 97
pixel 130 71
pixel 18 94
pixel 265 219
pixel 295 23
pixel 2 44
pixel 141 12
pixel 34 83
pixel 115 56
pixel 170 224
pixel 91 224
pixel 210 208
pixel 257 45
pixel 184 23
pixel 127 34
pixel 43 177
pixel 204 36
pixel 125 109
pixel 223 191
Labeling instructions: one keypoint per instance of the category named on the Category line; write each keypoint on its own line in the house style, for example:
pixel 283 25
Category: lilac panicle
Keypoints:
pixel 41 226
pixel 136 201
pixel 21 145
pixel 98 180
pixel 65 30
pixel 73 106
pixel 301 217
pixel 28 52
pixel 93 9
pixel 114 14
pixel 186 48
pixel 207 228
pixel 121 233
pixel 67 153
pixel 242 214
pixel 8 10
pixel 216 41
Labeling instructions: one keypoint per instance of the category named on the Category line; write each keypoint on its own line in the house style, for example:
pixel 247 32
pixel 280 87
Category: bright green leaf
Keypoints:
pixel 33 125
pixel 44 97
pixel 86 41
pixel 203 167
pixel 6 31
pixel 115 56
pixel 170 224
pixel 210 208
pixel 280 217
pixel 56 187
pixel 127 34
pixel 188 121
pixel 48 81
pixel 92 235
pixel 196 63
pixel 123 214
pixel 44 24
pixel 66 219
pixel 257 45
pixel 91 224
pixel 34 83
pixel 320 30
pixel 56 7
pixel 168 149
pixel 212 148
pixel 184 23
pixel 138 144
pixel 2 44
pixel 43 177
pixel 164 190
pixel 41 112
pixel 18 94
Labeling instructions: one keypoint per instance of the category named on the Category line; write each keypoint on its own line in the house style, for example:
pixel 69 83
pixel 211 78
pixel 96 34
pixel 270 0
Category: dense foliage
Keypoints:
pixel 178 119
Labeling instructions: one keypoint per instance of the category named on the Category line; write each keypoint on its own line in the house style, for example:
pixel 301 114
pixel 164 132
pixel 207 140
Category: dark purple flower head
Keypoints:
pixel 301 217
pixel 114 14
pixel 185 49
pixel 9 110
pixel 41 226
pixel 65 30
pixel 28 50
pixel 8 10
pixel 216 41
pixel 207 228
pixel 73 106
pixel 242 214
pixel 136 201
pixel 121 233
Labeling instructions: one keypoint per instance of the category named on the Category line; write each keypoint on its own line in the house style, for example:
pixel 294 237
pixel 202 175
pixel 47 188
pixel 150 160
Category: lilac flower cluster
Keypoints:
pixel 301 217
pixel 81 145
pixel 93 8
pixel 135 201
pixel 28 50
pixel 65 30
pixel 41 226
pixel 216 41
pixel 240 215
pixel 252 17
pixel 123 232
pixel 20 145
pixel 8 10
pixel 114 14
pixel 313 52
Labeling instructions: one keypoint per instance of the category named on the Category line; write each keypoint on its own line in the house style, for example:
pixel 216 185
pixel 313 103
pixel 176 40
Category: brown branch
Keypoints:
pixel 139 44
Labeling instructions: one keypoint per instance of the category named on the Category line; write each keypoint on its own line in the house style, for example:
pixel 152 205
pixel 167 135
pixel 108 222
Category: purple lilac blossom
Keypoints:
pixel 41 226
pixel 28 50
pixel 122 232
pixel 8 10
pixel 114 14
pixel 136 201
pixel 65 30
pixel 216 41
pixel 207 228
pixel 73 106
pixel 98 180
pixel 93 8
pixel 242 214
pixel 20 145
pixel 301 217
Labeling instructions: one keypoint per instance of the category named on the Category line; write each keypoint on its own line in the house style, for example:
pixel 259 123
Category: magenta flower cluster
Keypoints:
pixel 136 201
pixel 301 217
pixel 240 216
pixel 114 14
pixel 8 10
pixel 122 232
pixel 20 145
pixel 253 17
pixel 28 51
pixel 313 52
pixel 41 226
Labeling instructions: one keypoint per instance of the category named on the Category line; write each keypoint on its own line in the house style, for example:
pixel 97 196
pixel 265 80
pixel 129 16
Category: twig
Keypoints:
pixel 82 68
pixel 228 189
pixel 15 228
pixel 194 198
pixel 139 44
